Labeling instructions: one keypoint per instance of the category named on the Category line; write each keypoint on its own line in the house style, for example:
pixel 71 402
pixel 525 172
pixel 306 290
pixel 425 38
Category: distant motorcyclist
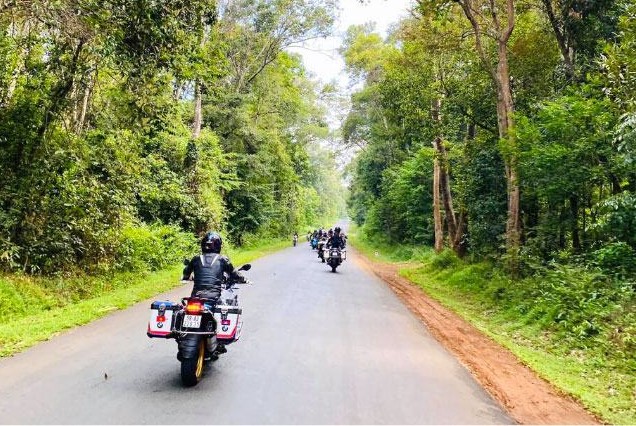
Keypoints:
pixel 336 241
pixel 208 269
pixel 321 247
pixel 314 240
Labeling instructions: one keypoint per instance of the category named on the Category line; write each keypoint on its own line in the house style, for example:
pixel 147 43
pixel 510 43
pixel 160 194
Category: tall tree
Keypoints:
pixel 495 20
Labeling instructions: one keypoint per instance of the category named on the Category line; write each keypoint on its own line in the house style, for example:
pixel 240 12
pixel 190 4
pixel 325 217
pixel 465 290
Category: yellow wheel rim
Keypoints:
pixel 200 359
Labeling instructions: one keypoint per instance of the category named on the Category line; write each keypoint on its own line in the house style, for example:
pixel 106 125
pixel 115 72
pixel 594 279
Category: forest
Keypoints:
pixel 128 127
pixel 499 131
pixel 502 135
pixel 493 139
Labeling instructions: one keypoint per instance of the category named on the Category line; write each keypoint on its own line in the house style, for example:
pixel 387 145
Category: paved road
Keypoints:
pixel 316 348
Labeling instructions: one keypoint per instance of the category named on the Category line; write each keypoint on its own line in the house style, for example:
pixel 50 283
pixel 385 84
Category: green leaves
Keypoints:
pixel 96 104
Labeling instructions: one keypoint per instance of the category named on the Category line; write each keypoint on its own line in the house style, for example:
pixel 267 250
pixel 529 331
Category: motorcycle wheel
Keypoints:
pixel 333 268
pixel 192 368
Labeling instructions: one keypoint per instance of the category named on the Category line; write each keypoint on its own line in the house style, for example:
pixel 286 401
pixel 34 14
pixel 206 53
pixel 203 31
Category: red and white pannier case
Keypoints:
pixel 228 323
pixel 161 319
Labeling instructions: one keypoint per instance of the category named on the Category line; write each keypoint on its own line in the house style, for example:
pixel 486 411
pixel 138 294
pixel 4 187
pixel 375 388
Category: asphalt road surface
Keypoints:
pixel 316 348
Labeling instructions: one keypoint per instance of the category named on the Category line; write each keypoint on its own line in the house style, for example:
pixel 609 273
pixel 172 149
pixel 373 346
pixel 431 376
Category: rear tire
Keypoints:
pixel 333 268
pixel 192 368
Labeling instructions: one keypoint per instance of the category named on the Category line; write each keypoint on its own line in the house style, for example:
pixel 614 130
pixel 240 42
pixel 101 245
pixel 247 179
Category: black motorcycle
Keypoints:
pixel 200 338
pixel 321 250
pixel 335 257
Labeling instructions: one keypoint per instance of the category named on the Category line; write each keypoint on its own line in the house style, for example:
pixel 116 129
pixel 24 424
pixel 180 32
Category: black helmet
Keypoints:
pixel 337 230
pixel 211 243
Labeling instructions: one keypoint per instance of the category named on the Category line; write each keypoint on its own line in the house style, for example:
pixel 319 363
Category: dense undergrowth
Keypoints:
pixel 36 308
pixel 574 326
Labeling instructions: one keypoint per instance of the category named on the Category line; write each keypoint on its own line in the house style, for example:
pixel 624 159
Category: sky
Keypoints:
pixel 322 60
pixel 321 56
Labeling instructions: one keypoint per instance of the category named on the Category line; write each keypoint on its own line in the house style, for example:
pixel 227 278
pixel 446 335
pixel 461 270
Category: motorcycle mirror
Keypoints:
pixel 245 267
pixel 186 262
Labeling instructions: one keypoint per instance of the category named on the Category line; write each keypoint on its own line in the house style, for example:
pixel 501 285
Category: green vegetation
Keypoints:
pixel 575 327
pixel 37 308
pixel 501 136
pixel 130 127
pixel 546 176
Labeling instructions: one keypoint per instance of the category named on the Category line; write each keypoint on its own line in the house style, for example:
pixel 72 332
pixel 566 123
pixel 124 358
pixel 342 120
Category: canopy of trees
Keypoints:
pixel 473 115
pixel 127 125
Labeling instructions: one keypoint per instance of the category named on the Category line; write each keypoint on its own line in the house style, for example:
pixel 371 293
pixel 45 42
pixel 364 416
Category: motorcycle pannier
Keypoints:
pixel 161 318
pixel 228 323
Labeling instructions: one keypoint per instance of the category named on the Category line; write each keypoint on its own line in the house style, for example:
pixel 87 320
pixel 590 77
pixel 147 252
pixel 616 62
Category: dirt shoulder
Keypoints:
pixel 527 398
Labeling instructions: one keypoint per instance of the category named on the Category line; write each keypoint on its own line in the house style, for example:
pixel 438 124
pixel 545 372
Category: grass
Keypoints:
pixel 581 356
pixel 38 308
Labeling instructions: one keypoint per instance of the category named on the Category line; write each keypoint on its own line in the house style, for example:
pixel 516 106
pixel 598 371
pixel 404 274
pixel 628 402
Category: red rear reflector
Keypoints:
pixel 226 322
pixel 161 318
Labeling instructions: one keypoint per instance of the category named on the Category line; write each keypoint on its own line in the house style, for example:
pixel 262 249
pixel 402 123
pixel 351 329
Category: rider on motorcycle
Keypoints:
pixel 336 240
pixel 208 269
pixel 321 247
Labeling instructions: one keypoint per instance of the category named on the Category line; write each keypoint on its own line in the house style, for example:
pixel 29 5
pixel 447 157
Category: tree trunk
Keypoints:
pixel 58 98
pixel 459 242
pixel 79 125
pixel 455 234
pixel 505 106
pixel 447 197
pixel 437 214
pixel 567 52
pixel 505 110
pixel 198 111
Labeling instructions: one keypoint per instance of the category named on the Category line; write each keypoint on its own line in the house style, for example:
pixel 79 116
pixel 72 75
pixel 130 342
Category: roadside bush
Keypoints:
pixel 446 259
pixel 152 247
pixel 617 259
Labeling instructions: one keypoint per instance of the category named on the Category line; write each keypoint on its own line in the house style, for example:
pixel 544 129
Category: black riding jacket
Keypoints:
pixel 336 241
pixel 208 269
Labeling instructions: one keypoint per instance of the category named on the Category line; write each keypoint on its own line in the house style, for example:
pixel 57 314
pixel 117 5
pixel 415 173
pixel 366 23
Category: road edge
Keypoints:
pixel 526 397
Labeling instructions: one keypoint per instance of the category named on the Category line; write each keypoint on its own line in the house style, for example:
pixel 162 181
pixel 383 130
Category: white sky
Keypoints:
pixel 321 56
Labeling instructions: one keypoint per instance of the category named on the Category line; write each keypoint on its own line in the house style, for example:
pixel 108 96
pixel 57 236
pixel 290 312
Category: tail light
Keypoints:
pixel 194 307
pixel 225 322
pixel 161 318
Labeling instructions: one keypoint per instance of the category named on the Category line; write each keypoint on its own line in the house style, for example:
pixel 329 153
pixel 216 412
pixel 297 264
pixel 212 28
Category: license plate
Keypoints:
pixel 192 321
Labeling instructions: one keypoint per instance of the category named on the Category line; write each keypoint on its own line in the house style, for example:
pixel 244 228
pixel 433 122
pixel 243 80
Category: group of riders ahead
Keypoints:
pixel 323 241
pixel 210 270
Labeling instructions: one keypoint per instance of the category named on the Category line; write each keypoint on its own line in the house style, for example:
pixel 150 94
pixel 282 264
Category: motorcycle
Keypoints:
pixel 321 250
pixel 314 243
pixel 335 257
pixel 295 240
pixel 200 327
